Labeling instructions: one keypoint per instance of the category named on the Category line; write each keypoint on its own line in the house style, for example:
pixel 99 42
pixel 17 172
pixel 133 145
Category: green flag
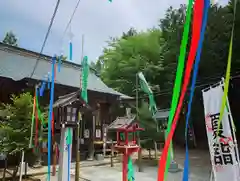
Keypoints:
pixel 145 87
pixel 85 71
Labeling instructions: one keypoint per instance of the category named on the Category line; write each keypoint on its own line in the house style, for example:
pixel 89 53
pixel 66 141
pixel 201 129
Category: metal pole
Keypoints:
pixel 139 142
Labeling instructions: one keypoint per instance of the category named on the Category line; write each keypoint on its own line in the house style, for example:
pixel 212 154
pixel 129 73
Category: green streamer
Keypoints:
pixel 145 87
pixel 85 71
pixel 228 71
pixel 40 116
pixel 69 137
pixel 130 175
pixel 33 116
pixel 178 80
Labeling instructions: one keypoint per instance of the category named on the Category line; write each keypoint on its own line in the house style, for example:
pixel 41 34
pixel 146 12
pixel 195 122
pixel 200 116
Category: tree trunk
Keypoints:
pixel 155 150
pixel 5 168
pixel 149 154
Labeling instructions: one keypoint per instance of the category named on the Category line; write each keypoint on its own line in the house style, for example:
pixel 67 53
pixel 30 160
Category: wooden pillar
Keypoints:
pixel 112 153
pixel 54 158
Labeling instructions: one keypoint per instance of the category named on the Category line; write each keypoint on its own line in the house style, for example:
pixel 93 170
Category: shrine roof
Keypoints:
pixel 161 114
pixel 69 99
pixel 122 123
pixel 17 63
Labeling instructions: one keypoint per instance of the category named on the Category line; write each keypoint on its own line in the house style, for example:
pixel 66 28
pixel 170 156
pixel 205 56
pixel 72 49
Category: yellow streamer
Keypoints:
pixel 228 71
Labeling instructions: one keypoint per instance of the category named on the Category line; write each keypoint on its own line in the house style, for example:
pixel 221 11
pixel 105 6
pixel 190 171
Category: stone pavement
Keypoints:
pixel 106 173
pixel 199 169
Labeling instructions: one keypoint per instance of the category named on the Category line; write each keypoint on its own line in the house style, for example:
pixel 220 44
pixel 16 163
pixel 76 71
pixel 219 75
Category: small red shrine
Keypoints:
pixel 126 129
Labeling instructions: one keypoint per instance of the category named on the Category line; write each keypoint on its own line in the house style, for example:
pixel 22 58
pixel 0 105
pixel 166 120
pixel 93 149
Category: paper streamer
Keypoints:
pixel 69 142
pixel 228 71
pixel 130 175
pixel 50 118
pixel 196 30
pixel 40 116
pixel 195 72
pixel 53 124
pixel 70 51
pixel 43 86
pixel 85 72
pixel 33 115
pixel 180 68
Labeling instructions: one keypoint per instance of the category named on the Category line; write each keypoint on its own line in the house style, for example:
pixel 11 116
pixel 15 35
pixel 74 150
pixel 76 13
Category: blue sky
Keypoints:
pixel 96 19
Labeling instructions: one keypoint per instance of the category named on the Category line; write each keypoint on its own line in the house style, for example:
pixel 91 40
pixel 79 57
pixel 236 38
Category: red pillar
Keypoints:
pixel 124 167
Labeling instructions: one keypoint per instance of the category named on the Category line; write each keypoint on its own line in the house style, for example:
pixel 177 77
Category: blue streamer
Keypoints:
pixel 50 118
pixel 49 81
pixel 42 88
pixel 70 51
pixel 59 63
pixel 195 72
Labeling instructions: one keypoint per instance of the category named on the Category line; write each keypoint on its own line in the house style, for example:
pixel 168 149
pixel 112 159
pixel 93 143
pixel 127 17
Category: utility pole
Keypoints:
pixel 77 168
pixel 139 141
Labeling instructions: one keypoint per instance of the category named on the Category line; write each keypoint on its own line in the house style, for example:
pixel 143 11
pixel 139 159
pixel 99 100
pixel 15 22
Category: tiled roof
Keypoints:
pixel 17 63
pixel 121 122
pixel 161 114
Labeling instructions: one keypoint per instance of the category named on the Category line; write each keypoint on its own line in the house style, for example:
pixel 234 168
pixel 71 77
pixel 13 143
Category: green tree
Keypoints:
pixel 124 58
pixel 10 39
pixel 63 58
pixel 17 124
pixel 131 32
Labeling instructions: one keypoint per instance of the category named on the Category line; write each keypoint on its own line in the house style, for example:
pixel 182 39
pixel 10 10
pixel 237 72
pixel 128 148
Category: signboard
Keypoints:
pixel 223 148
pixel 86 133
pixel 98 133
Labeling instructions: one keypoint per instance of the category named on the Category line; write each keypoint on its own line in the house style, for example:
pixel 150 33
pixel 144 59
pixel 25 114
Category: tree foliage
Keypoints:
pixel 125 57
pixel 10 39
pixel 16 124
pixel 155 52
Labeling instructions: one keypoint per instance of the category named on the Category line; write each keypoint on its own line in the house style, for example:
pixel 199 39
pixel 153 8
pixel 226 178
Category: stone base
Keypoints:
pixel 99 157
pixel 90 158
pixel 173 168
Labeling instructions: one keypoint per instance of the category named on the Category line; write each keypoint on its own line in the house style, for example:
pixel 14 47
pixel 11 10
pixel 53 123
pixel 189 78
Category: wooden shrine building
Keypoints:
pixel 17 76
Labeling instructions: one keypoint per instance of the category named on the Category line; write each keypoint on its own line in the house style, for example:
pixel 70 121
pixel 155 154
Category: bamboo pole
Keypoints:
pixel 77 168
pixel 139 141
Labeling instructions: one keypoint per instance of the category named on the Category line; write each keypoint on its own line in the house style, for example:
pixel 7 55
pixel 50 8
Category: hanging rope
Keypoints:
pixel 196 30
pixel 194 79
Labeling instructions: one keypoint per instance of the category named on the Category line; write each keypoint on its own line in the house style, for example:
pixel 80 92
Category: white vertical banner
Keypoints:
pixel 223 148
